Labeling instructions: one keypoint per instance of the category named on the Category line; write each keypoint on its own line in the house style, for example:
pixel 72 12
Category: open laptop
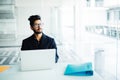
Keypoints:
pixel 37 59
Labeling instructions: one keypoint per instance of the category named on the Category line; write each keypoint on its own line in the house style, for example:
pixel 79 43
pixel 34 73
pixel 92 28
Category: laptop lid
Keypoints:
pixel 37 59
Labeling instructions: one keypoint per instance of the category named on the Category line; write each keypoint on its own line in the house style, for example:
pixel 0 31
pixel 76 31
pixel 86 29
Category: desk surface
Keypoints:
pixel 57 73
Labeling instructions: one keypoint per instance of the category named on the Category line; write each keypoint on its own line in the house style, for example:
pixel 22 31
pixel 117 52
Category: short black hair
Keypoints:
pixel 32 18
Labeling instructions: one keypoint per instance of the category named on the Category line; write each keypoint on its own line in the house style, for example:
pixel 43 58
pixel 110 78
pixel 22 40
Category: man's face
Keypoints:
pixel 37 27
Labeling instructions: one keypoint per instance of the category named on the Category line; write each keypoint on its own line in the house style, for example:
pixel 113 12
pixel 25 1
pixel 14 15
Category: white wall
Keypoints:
pixel 25 9
pixel 23 14
pixel 45 8
pixel 111 3
pixel 93 16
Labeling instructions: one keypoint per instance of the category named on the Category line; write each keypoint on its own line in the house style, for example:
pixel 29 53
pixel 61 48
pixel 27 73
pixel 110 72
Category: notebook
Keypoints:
pixel 79 69
pixel 37 59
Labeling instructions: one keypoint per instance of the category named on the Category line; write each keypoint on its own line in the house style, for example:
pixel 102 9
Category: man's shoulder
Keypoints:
pixel 48 37
pixel 28 38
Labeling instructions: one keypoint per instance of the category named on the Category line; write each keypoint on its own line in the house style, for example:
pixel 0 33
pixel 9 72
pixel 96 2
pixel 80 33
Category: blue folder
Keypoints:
pixel 79 69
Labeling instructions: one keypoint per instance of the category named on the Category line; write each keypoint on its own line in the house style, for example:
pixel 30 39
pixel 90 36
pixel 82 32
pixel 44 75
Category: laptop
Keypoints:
pixel 37 59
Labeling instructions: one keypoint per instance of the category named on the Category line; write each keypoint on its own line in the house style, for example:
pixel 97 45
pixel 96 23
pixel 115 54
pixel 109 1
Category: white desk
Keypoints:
pixel 57 73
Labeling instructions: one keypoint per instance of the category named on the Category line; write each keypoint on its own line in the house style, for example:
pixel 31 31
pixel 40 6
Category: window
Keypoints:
pixel 88 3
pixel 119 15
pixel 108 16
pixel 67 24
pixel 116 15
pixel 98 3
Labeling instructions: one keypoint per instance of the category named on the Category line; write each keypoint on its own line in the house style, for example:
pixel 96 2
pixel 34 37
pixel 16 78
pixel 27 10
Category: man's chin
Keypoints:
pixel 37 32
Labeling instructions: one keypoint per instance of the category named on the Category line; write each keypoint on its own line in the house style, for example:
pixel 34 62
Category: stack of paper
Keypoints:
pixel 79 69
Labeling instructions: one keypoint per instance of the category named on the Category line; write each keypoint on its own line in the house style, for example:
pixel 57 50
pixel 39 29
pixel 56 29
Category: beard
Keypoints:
pixel 37 32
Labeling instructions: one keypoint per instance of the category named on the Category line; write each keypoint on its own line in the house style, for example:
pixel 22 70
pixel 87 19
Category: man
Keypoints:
pixel 38 40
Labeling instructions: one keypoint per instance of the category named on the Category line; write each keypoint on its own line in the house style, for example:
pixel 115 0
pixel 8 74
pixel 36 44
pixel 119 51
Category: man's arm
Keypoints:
pixel 24 45
pixel 54 46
